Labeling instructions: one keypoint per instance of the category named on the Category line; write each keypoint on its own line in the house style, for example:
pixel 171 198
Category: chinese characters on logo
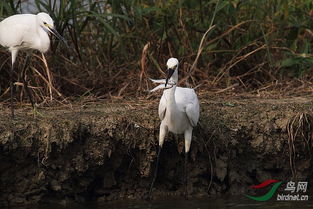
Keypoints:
pixel 301 187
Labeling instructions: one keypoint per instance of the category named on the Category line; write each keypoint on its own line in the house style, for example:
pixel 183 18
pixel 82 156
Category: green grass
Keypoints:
pixel 252 43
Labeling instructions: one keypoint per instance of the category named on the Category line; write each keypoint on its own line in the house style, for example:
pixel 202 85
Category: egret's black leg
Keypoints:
pixel 26 63
pixel 186 187
pixel 11 91
pixel 155 172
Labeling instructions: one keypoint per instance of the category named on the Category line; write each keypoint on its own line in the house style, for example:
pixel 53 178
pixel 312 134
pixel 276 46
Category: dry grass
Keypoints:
pixel 224 47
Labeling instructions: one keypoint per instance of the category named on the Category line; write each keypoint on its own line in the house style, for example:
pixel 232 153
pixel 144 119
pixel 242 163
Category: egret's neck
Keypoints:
pixel 44 44
pixel 171 102
pixel 173 79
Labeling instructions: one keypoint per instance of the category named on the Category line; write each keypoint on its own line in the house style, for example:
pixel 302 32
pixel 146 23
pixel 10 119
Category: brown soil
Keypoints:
pixel 107 151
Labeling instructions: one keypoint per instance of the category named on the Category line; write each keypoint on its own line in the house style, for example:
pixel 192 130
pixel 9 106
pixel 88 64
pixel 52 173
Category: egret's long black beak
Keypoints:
pixel 54 32
pixel 170 72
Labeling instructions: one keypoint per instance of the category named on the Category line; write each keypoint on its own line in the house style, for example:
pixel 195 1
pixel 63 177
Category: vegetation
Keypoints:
pixel 116 45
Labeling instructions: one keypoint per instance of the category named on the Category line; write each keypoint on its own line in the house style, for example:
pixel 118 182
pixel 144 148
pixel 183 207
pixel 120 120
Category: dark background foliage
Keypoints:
pixel 116 45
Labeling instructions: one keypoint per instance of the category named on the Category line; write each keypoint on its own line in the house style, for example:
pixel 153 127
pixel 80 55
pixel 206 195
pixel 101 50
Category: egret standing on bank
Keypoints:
pixel 178 111
pixel 26 31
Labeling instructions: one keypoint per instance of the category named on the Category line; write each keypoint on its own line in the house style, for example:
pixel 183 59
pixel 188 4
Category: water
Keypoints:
pixel 236 203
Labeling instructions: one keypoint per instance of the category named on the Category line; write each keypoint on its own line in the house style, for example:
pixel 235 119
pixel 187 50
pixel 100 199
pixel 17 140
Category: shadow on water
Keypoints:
pixel 205 203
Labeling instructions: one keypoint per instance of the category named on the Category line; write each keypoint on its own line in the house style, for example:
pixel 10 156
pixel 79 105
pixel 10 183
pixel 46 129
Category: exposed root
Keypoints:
pixel 299 128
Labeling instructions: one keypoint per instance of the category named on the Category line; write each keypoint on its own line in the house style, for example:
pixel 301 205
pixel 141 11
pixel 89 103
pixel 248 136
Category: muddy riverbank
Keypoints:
pixel 104 152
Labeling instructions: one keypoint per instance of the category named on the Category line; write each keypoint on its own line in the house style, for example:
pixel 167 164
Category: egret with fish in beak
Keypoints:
pixel 179 112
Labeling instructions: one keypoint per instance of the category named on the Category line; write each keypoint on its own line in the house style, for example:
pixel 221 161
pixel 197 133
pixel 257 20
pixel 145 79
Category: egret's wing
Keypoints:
pixel 17 29
pixel 187 101
pixel 192 107
pixel 162 106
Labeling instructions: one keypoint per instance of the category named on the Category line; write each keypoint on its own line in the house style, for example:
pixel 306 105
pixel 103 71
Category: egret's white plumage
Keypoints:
pixel 178 109
pixel 26 31
pixel 179 113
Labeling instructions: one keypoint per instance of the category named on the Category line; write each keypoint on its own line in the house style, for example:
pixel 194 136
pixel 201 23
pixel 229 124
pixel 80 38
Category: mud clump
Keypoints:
pixel 108 152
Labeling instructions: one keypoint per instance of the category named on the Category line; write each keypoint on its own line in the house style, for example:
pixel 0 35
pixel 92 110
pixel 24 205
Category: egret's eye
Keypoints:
pixel 44 23
pixel 173 68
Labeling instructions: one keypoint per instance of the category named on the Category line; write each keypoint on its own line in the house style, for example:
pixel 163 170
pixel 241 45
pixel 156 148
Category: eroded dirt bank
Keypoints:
pixel 107 152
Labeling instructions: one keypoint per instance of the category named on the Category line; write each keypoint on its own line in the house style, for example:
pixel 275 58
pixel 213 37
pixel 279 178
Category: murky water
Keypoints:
pixel 236 203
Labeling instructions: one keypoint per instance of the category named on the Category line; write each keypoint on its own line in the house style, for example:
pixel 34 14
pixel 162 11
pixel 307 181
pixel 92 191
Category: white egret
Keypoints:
pixel 178 110
pixel 26 31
